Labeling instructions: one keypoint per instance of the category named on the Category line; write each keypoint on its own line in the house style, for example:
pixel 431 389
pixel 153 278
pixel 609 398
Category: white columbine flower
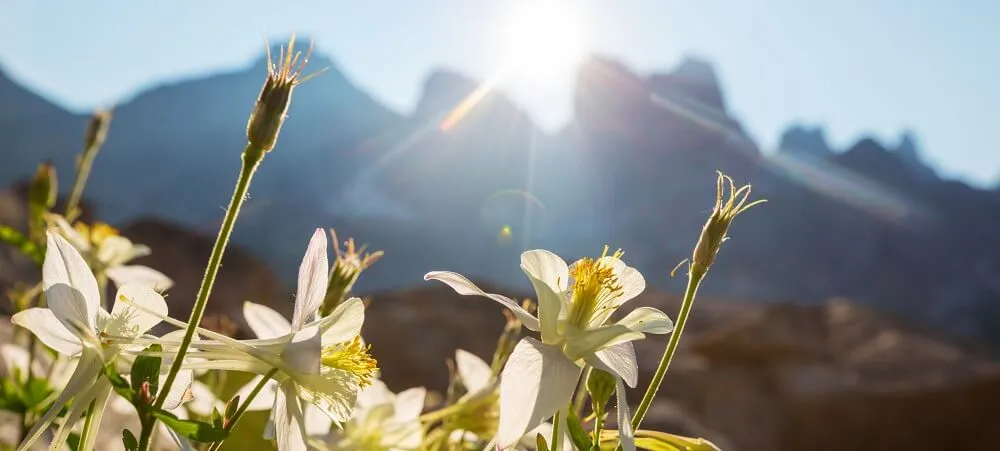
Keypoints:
pixel 383 421
pixel 75 325
pixel 574 307
pixel 321 362
pixel 104 249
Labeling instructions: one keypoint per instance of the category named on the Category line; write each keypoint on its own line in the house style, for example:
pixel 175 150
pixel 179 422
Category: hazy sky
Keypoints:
pixel 857 66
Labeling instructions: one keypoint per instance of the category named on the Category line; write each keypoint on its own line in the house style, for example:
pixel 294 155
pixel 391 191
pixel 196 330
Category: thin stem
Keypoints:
pixel 251 159
pixel 148 425
pixel 231 422
pixel 694 280
pixel 556 432
pixel 598 422
pixel 581 391
pixel 88 422
pixel 82 173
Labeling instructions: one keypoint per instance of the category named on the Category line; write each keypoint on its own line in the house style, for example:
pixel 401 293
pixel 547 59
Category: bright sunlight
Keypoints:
pixel 543 38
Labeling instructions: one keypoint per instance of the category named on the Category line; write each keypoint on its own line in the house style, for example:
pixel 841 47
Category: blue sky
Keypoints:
pixel 859 67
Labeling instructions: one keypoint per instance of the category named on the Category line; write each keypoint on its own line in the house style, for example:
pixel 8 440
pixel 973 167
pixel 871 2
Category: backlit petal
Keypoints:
pixel 474 373
pixel 264 321
pixel 409 403
pixel 138 274
pixel 465 287
pixel 302 354
pixel 648 320
pixel 313 279
pixel 618 360
pixel 71 309
pixel 548 275
pixel 584 343
pixel 43 323
pixel 537 381
pixel 264 399
pixel 625 432
pixel 289 420
pixel 344 323
pixel 127 319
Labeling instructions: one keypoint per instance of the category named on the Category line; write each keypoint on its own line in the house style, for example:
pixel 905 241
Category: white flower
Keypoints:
pixel 320 362
pixel 108 251
pixel 574 307
pixel 74 324
pixel 383 421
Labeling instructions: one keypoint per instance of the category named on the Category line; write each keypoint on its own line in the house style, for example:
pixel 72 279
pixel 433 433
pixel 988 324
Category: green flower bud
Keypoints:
pixel 601 386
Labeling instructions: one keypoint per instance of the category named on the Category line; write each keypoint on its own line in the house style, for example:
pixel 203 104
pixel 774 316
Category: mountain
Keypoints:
pixel 466 181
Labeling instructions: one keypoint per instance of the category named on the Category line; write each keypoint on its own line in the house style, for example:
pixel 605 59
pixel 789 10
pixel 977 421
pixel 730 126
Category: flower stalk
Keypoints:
pixel 97 130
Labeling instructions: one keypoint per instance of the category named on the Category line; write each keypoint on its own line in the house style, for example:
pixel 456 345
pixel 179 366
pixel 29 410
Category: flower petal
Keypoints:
pixel 537 381
pixel 127 319
pixel 344 323
pixel 463 286
pixel 71 309
pixel 317 423
pixel 87 371
pixel 138 274
pixel 584 343
pixel 648 320
pixel 203 400
pixel 69 233
pixel 474 372
pixel 116 249
pixel 289 419
pixel 618 360
pixel 334 391
pixel 632 283
pixel 549 275
pixel 178 392
pixel 625 433
pixel 529 441
pixel 373 395
pixel 313 278
pixel 264 399
pixel 43 323
pixel 264 321
pixel 302 354
pixel 409 403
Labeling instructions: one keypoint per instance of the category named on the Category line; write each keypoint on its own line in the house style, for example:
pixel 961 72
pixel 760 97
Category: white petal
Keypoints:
pixel 625 432
pixel 302 354
pixel 71 309
pixel 87 371
pixel 474 372
pixel 618 360
pixel 69 233
pixel 264 321
pixel 115 250
pixel 537 381
pixel 334 391
pixel 529 440
pixel 142 275
pixel 203 400
pixel 180 391
pixel 549 276
pixel 585 342
pixel 43 323
pixel 375 394
pixel 344 323
pixel 648 320
pixel 289 420
pixel 317 423
pixel 465 287
pixel 313 278
pixel 264 399
pixel 632 283
pixel 409 403
pixel 127 319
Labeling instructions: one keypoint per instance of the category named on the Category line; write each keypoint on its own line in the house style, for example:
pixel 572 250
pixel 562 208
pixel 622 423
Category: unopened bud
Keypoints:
pixel 275 96
pixel 97 130
pixel 727 207
pixel 600 385
pixel 43 187
pixel 347 267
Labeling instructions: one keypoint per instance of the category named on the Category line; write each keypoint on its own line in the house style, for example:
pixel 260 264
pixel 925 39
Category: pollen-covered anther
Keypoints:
pixel 595 286
pixel 352 357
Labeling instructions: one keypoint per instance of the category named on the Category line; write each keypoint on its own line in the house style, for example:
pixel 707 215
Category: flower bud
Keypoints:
pixel 97 130
pixel 42 192
pixel 275 96
pixel 347 267
pixel 601 386
pixel 715 229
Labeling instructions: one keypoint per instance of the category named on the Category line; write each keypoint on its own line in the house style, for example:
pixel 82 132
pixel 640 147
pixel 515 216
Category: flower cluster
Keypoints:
pixel 81 353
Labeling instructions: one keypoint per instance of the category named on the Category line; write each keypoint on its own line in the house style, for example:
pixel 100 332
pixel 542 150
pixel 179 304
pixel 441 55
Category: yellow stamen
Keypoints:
pixel 595 287
pixel 352 357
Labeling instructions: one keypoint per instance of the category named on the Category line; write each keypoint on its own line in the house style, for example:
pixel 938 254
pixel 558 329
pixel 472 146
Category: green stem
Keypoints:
pixel 87 422
pixel 694 280
pixel 581 391
pixel 556 432
pixel 231 422
pixel 598 423
pixel 252 157
pixel 82 174
pixel 148 425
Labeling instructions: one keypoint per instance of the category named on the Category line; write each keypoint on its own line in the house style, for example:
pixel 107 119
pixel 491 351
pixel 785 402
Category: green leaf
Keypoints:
pixel 21 242
pixel 129 440
pixel 118 382
pixel 194 430
pixel 662 441
pixel 581 440
pixel 146 369
pixel 216 418
pixel 540 443
pixel 231 407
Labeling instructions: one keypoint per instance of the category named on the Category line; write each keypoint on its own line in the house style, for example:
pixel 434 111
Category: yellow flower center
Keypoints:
pixel 352 357
pixel 96 233
pixel 595 287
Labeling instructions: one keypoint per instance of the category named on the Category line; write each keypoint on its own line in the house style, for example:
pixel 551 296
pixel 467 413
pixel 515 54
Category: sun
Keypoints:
pixel 543 38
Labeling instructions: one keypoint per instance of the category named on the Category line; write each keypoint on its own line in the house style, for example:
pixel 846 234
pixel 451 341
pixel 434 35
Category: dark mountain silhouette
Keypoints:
pixel 634 169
